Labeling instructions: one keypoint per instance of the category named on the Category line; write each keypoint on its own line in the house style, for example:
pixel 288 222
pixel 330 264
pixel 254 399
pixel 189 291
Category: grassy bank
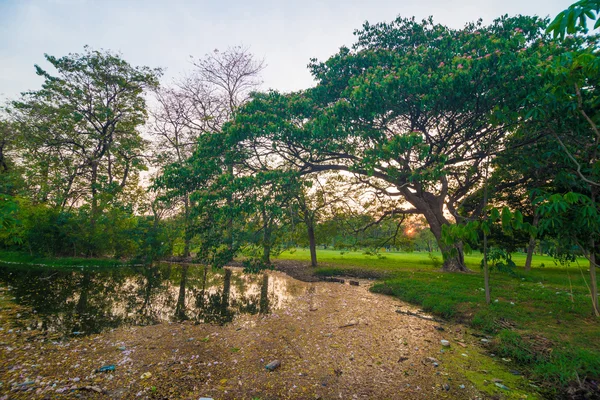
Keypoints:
pixel 541 319
pixel 24 258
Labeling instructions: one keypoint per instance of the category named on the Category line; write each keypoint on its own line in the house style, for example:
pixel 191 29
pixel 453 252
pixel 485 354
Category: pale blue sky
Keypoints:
pixel 164 34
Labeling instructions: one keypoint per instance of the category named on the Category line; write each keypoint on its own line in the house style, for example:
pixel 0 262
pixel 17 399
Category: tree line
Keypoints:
pixel 488 133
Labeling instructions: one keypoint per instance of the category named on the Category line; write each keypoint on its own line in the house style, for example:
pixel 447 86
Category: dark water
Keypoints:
pixel 83 301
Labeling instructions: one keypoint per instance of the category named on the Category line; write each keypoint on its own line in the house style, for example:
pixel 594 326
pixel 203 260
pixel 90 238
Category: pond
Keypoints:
pixel 182 331
pixel 83 301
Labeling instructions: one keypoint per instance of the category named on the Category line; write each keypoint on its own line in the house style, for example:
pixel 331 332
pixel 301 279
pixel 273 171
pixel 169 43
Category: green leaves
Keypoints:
pixel 575 18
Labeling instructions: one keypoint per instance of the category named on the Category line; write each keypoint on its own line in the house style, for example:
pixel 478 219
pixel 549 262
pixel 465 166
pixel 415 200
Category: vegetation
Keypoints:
pixel 418 137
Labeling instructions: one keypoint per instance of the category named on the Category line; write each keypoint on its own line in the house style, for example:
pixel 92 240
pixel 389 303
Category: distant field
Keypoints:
pixel 392 261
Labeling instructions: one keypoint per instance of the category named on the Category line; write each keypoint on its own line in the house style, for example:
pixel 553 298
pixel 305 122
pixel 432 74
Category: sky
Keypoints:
pixel 165 33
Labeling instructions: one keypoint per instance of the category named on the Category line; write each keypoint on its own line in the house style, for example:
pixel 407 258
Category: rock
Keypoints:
pixel 501 386
pixel 515 372
pixel 354 283
pixel 146 375
pixel 461 386
pixel 273 365
pixel 484 341
pixel 446 387
pixel 445 343
pixel 106 368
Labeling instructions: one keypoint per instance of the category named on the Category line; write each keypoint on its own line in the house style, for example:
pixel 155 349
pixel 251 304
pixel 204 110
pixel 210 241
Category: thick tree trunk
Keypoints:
pixel 312 243
pixel 432 208
pixel 454 260
pixel 531 245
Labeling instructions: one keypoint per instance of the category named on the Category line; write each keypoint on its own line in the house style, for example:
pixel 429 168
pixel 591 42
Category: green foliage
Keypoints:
pixel 435 261
pixel 500 260
pixel 575 18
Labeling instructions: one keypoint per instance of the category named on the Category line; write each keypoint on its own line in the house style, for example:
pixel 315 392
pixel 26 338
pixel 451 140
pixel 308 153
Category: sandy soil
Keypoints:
pixel 334 341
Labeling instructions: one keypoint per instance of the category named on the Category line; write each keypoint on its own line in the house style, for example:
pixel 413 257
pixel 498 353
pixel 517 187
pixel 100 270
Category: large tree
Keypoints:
pixel 199 104
pixel 413 108
pixel 82 127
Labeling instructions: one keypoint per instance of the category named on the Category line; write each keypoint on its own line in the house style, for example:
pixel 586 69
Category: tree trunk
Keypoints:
pixel 94 190
pixel 454 260
pixel 266 242
pixel 312 242
pixel 230 218
pixel 531 245
pixel 186 239
pixel 432 208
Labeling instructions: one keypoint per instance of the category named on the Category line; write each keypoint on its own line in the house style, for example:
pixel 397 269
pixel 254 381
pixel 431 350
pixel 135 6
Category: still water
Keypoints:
pixel 82 301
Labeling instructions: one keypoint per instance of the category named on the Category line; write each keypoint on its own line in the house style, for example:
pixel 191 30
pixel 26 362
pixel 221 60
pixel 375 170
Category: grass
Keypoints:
pixel 24 258
pixel 541 319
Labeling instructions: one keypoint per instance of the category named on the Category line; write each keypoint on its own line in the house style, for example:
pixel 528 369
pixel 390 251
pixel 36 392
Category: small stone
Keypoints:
pixel 146 375
pixel 445 343
pixel 461 386
pixel 273 365
pixel 446 387
pixel 501 386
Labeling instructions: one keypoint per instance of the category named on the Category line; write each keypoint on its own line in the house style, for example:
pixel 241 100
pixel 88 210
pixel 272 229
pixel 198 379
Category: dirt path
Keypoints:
pixel 334 341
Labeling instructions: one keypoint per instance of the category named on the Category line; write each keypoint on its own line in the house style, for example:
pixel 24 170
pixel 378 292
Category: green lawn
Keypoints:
pixel 541 319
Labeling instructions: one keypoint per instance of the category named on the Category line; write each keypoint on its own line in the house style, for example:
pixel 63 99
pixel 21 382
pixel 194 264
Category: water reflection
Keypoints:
pixel 84 301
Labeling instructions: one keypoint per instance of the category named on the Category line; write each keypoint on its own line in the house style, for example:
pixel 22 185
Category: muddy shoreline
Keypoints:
pixel 333 341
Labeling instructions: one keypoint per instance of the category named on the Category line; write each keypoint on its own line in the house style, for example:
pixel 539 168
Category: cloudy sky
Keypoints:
pixel 161 33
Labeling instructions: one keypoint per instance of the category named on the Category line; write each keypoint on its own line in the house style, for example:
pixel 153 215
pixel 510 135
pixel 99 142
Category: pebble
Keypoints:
pixel 445 343
pixel 146 375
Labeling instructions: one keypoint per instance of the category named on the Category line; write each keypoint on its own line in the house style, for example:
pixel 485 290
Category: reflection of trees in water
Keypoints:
pixel 147 288
pixel 90 300
pixel 180 306
pixel 65 301
pixel 213 307
pixel 264 295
